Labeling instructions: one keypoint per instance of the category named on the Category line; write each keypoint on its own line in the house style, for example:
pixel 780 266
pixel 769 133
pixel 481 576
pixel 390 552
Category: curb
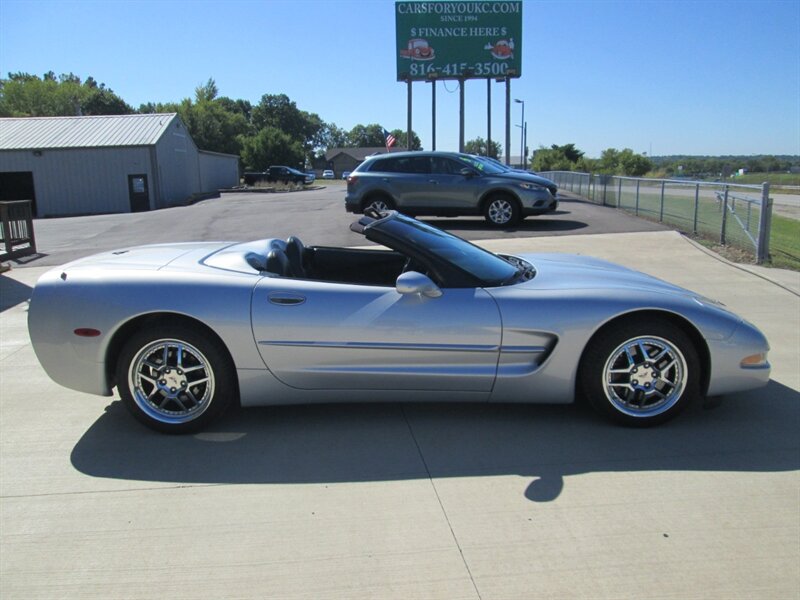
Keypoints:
pixel 739 266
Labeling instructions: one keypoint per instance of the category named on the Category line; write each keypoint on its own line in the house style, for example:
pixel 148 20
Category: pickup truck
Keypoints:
pixel 281 174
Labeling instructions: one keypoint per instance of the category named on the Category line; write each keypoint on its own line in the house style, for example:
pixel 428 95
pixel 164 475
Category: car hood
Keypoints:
pixel 574 272
pixel 529 177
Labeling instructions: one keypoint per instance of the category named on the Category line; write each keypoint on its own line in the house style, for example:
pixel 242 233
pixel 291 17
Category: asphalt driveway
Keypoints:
pixel 316 216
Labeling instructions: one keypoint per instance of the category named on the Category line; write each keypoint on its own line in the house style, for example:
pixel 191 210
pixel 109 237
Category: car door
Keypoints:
pixel 321 335
pixel 450 189
pixel 411 182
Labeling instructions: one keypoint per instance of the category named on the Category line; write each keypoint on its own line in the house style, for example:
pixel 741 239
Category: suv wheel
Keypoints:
pixel 502 211
pixel 379 204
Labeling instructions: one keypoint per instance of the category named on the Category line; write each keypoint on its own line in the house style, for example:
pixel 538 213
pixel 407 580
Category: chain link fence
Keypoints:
pixel 732 214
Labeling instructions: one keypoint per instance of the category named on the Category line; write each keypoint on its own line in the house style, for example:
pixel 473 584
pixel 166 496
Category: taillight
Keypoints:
pixel 352 179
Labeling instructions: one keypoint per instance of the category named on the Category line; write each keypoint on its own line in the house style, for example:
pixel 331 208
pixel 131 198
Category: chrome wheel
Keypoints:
pixel 641 371
pixel 502 211
pixel 171 381
pixel 379 205
pixel 645 376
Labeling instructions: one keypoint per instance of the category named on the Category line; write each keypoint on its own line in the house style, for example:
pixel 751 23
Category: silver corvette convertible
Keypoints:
pixel 184 331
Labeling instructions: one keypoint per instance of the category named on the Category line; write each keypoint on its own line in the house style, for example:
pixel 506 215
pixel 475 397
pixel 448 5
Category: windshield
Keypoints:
pixel 481 264
pixel 493 161
pixel 480 165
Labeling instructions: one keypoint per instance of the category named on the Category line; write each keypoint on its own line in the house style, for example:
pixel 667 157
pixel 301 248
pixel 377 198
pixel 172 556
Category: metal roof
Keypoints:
pixel 33 133
pixel 360 153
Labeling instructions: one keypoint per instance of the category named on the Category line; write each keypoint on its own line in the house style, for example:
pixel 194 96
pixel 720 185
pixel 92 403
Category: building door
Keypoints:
pixel 18 185
pixel 137 191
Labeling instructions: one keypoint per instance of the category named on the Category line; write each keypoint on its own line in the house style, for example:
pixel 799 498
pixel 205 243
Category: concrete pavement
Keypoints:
pixel 412 501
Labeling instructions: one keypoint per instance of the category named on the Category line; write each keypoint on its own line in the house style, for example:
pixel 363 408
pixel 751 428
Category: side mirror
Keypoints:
pixel 468 173
pixel 412 282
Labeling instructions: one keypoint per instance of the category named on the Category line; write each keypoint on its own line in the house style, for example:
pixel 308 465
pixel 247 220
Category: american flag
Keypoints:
pixel 390 139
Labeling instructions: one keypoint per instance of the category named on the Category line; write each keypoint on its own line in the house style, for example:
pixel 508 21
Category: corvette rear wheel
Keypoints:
pixel 175 379
pixel 502 211
pixel 641 373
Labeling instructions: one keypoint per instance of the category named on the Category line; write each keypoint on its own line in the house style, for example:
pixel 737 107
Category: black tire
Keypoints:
pixel 175 379
pixel 379 203
pixel 502 210
pixel 641 372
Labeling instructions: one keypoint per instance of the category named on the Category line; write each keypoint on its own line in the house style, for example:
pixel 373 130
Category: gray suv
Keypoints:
pixel 448 184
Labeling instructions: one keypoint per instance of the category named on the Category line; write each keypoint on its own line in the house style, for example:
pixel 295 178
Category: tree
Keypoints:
pixel 206 92
pixel 478 146
pixel 212 127
pixel 402 141
pixel 371 136
pixel 366 136
pixel 26 95
pixel 571 153
pixel 331 136
pixel 624 162
pixel 150 108
pixel 551 159
pixel 215 124
pixel 632 164
pixel 242 107
pixel 102 101
pixel 278 111
pixel 270 146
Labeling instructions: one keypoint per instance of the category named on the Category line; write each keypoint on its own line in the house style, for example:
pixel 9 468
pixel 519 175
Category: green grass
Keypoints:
pixel 784 243
pixel 774 179
pixel 679 211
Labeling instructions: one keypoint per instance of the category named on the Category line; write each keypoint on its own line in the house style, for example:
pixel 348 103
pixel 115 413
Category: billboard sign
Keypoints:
pixel 454 40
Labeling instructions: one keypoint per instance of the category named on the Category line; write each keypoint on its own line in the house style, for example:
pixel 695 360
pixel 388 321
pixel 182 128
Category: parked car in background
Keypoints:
pixel 328 174
pixel 289 175
pixel 448 184
pixel 281 174
pixel 346 174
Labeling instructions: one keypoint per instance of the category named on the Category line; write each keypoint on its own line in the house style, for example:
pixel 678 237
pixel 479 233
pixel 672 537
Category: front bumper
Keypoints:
pixel 727 373
pixel 541 207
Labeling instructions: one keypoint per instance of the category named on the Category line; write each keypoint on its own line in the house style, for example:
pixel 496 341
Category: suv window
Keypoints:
pixel 405 164
pixel 383 165
pixel 445 166
pixel 415 164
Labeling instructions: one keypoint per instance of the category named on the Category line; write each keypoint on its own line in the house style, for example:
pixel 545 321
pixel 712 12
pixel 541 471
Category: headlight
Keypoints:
pixel 754 361
pixel 530 186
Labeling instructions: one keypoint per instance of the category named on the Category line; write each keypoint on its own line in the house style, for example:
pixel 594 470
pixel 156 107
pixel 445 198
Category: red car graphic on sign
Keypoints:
pixel 418 49
pixel 501 49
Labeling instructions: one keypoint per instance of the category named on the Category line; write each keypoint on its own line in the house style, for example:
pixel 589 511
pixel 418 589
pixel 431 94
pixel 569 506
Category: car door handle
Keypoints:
pixel 284 299
pixel 432 181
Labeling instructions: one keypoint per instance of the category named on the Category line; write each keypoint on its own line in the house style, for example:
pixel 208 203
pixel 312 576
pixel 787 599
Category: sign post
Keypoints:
pixel 458 40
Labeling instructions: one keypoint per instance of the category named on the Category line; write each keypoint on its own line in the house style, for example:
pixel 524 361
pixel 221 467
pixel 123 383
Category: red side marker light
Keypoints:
pixel 86 332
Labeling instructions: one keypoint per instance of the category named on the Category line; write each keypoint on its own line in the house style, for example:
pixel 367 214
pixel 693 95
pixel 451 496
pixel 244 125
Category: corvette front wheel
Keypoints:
pixel 641 373
pixel 175 379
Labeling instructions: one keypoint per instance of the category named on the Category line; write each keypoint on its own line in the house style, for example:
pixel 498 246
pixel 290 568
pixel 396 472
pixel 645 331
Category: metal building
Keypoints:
pixel 106 164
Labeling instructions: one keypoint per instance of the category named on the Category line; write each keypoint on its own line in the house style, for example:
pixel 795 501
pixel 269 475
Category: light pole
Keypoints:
pixel 521 133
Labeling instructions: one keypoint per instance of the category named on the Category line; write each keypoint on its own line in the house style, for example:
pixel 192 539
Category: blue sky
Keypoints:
pixel 666 77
